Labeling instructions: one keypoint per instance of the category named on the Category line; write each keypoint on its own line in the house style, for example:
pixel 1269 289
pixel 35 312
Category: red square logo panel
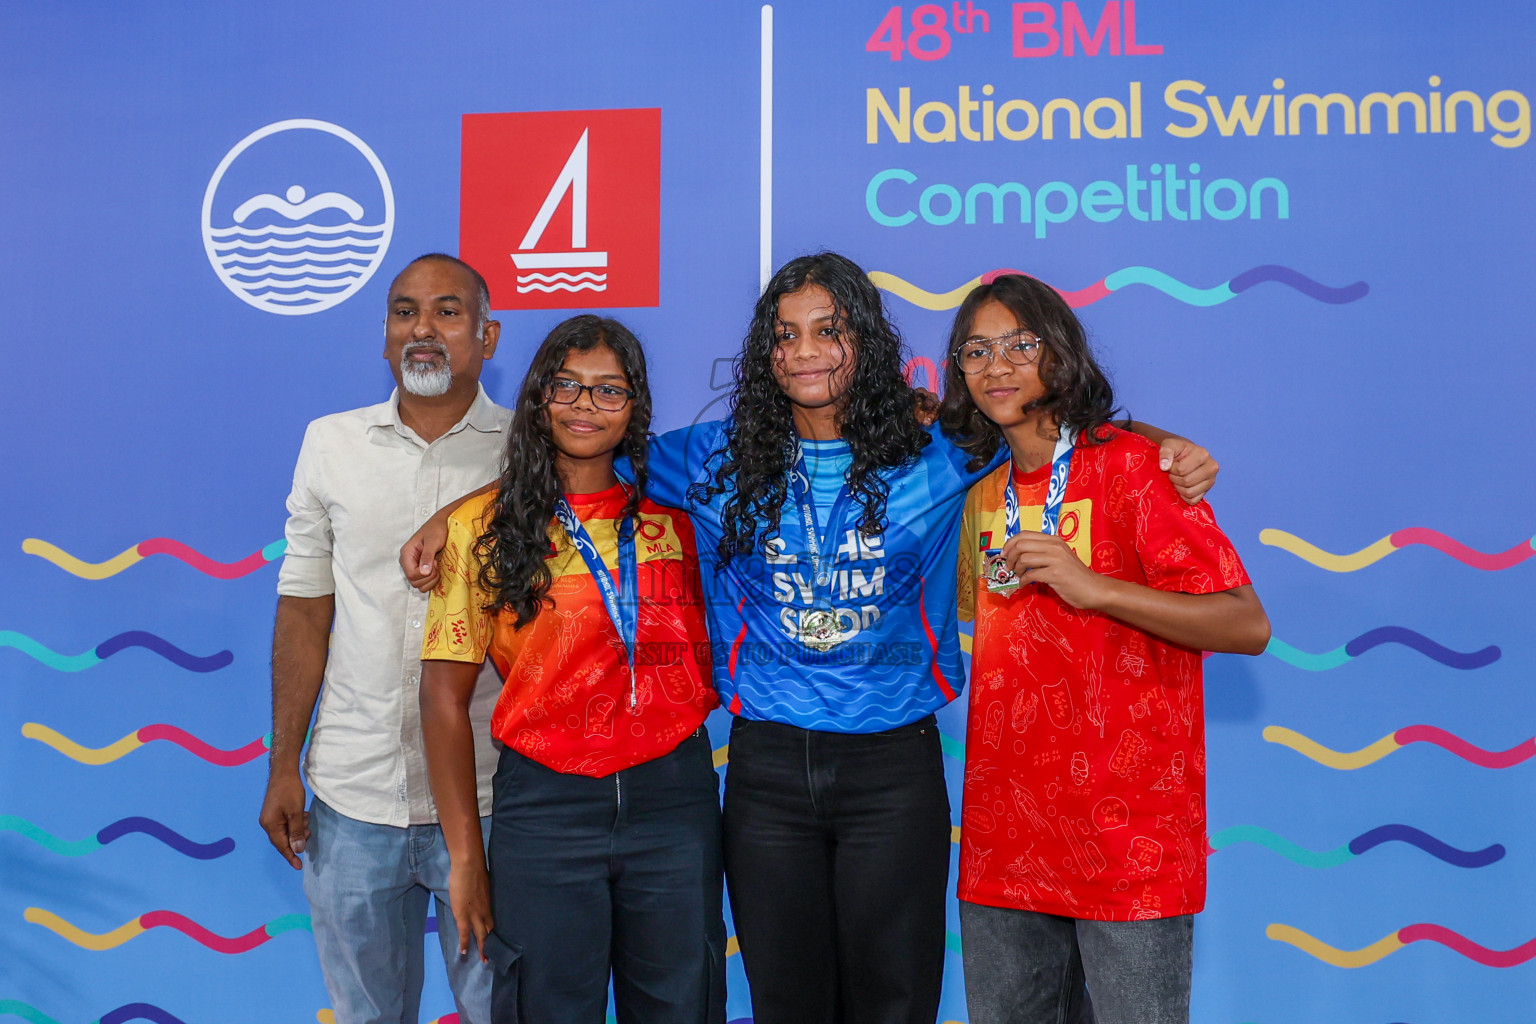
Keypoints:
pixel 562 209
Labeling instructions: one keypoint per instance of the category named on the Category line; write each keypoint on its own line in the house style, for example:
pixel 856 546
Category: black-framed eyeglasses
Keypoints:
pixel 608 397
pixel 1020 347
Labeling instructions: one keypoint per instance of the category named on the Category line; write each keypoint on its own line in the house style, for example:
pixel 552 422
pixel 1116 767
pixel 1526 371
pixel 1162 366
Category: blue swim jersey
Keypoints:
pixel 894 594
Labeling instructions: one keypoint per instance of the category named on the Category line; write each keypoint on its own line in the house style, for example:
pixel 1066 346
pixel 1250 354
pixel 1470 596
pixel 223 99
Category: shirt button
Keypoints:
pixel 415 623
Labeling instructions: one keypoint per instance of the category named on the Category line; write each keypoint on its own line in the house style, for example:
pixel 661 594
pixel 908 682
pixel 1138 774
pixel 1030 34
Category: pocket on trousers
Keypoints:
pixel 504 958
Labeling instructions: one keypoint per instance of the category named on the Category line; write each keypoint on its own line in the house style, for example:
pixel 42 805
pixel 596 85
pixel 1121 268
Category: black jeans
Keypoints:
pixel 620 873
pixel 837 858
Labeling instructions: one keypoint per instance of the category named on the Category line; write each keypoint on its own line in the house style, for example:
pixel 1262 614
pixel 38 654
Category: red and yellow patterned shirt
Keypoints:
pixel 565 701
pixel 1085 750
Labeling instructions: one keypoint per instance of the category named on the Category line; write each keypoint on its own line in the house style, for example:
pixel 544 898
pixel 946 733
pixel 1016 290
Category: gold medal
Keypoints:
pixel 820 629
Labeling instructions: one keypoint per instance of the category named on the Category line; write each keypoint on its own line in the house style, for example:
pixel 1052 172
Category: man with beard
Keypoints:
pixel 364 480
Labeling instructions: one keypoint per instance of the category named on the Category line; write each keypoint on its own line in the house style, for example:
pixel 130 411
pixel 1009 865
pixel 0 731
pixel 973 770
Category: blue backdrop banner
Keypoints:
pixel 1300 233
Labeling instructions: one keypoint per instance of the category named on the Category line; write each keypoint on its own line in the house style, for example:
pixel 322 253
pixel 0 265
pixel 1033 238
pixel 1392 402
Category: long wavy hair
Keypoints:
pixel 515 544
pixel 1078 395
pixel 875 415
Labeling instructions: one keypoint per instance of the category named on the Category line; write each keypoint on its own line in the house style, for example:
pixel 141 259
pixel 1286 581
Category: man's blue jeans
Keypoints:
pixel 1027 968
pixel 368 887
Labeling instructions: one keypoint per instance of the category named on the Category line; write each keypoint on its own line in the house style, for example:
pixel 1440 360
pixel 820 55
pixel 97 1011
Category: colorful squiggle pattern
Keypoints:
pixel 1356 846
pixel 1395 741
pixel 1149 276
pixel 1396 541
pixel 148 826
pixel 146 734
pixel 1375 638
pixel 167 919
pixel 1389 944
pixel 154 546
pixel 104 650
pixel 127 1012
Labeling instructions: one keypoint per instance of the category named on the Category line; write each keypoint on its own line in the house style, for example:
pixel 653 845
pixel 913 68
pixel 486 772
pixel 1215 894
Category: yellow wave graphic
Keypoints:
pixel 85 755
pixel 326 1017
pixel 1385 946
pixel 1340 759
pixel 54 923
pixel 722 755
pixel 85 570
pixel 1309 552
pixel 919 297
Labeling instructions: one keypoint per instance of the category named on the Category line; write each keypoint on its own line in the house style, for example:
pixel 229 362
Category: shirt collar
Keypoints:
pixel 481 415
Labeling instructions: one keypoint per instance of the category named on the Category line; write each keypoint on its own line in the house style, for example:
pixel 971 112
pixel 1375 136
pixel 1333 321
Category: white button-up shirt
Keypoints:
pixel 363 484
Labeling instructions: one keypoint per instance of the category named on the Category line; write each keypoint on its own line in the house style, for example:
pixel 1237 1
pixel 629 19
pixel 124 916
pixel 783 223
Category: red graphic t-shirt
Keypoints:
pixel 1085 750
pixel 566 698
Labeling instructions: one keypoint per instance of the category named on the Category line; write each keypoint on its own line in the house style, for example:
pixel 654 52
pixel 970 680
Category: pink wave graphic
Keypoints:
pixel 190 928
pixel 1516 754
pixel 1491 561
pixel 213 755
pixel 1466 947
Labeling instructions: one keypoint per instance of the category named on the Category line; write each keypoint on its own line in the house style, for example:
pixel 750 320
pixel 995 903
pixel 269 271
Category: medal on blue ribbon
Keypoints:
pixel 820 628
pixel 623 608
pixel 1001 579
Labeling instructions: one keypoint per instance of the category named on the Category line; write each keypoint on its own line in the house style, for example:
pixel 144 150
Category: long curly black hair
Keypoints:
pixel 1078 395
pixel 875 416
pixel 515 544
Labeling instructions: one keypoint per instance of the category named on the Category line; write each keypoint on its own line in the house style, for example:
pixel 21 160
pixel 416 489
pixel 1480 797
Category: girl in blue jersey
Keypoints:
pixel 833 515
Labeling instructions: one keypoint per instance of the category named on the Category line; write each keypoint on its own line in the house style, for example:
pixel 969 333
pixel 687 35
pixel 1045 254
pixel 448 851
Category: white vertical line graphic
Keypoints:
pixel 765 156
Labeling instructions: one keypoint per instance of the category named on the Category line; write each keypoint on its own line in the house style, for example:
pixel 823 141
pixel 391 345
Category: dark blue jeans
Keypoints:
pixel 1027 968
pixel 619 875
pixel 837 858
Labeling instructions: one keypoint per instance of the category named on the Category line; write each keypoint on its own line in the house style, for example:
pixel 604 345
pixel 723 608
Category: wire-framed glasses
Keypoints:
pixel 1020 347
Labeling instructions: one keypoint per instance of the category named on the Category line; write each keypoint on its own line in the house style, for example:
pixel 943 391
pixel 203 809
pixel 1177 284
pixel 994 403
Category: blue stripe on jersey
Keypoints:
pixel 897 592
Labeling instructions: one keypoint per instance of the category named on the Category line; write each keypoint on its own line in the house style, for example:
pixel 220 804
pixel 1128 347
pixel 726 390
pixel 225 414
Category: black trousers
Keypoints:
pixel 619 875
pixel 837 858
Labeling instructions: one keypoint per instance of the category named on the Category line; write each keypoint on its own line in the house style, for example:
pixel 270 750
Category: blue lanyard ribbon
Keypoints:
pixel 817 541
pixel 623 608
pixel 1061 464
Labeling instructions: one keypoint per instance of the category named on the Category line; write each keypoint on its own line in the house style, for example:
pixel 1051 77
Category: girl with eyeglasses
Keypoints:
pixel 1094 590
pixel 604 852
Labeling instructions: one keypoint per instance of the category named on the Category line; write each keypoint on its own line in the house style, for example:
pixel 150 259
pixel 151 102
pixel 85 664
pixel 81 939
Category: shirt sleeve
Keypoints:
pixel 1181 548
pixel 458 626
pixel 675 460
pixel 306 568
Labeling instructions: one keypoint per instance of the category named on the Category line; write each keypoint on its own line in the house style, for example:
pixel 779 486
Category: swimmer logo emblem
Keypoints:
pixel 562 209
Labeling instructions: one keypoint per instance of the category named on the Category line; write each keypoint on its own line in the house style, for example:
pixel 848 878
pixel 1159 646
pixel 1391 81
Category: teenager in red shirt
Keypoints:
pixel 605 834
pixel 1094 589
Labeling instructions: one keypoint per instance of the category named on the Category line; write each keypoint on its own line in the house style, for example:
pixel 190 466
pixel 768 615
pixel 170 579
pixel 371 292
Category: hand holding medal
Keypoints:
pixel 1005 569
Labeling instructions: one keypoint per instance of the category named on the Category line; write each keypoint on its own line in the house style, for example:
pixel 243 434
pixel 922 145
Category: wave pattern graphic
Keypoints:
pixel 167 919
pixel 1389 944
pixel 121 1015
pixel 1149 276
pixel 562 281
pixel 1375 638
pixel 1396 541
pixel 1395 741
pixel 113 832
pixel 154 546
pixel 113 645
pixel 1356 846
pixel 296 266
pixel 138 738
